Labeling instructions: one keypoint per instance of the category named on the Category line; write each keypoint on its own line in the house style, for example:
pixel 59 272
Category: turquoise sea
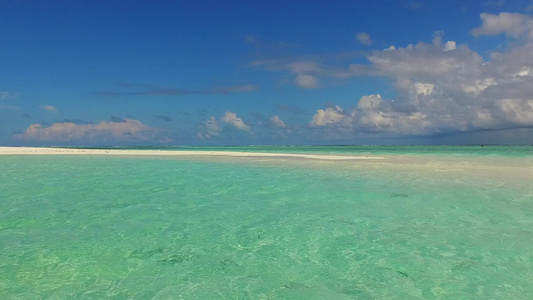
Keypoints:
pixel 459 225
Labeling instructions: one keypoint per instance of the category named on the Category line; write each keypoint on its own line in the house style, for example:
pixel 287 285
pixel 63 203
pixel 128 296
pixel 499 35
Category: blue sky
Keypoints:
pixel 265 72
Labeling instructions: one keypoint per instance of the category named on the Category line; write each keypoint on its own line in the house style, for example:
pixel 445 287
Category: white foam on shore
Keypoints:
pixel 124 152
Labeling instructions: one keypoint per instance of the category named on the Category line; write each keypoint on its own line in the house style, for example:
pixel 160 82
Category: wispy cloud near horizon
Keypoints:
pixel 128 130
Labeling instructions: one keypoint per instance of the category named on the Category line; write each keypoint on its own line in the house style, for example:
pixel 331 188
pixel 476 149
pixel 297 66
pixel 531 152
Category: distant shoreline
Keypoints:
pixel 127 152
pixel 499 167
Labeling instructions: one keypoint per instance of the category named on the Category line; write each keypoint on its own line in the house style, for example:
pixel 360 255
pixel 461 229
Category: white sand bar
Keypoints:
pixel 123 152
pixel 462 167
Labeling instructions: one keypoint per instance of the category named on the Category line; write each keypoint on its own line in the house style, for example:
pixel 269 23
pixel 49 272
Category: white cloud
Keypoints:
pixel 363 38
pixel 477 86
pixel 450 45
pixel 375 115
pixel 369 102
pixel 276 122
pixel 437 37
pixel 307 81
pixel 209 129
pixel 460 91
pixel 213 127
pixel 49 108
pixel 280 128
pixel 422 58
pixel 301 67
pixel 515 25
pixel 441 91
pixel 517 111
pixel 231 118
pixel 304 70
pixel 330 115
pixel 425 89
pixel 523 72
pixel 440 87
pixel 104 131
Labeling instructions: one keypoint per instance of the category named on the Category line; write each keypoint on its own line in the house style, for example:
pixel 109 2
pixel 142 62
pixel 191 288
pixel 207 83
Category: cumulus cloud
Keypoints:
pixel 375 115
pixel 276 122
pixel 441 87
pixel 450 45
pixel 213 127
pixel 363 38
pixel 231 118
pixel 441 91
pixel 280 127
pixel 129 130
pixel 514 25
pixel 328 116
pixel 209 129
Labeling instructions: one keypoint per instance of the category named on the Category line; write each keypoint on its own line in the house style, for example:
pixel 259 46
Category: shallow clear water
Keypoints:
pixel 141 228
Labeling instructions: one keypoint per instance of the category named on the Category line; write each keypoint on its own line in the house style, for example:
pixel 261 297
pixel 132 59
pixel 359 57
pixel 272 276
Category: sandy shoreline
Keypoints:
pixel 123 152
pixel 502 168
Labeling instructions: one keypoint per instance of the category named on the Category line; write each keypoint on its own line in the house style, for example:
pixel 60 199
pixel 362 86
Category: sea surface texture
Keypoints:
pixel 95 227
